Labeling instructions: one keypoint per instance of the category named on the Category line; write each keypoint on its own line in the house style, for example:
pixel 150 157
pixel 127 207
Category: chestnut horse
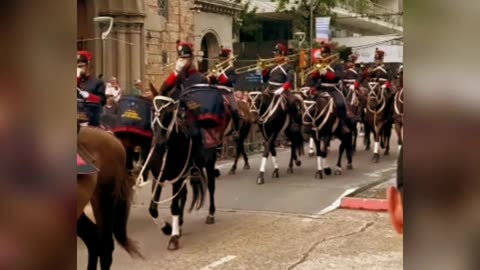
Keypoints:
pixel 109 190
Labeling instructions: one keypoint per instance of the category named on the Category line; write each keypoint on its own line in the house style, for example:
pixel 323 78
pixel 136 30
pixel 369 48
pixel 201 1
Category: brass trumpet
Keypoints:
pixel 220 66
pixel 321 65
pixel 262 64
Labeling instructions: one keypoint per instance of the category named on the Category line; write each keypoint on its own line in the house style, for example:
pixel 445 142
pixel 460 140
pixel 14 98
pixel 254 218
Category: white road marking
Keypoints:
pixel 219 262
pixel 333 206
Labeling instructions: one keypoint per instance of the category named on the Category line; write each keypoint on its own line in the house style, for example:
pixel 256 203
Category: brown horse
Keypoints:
pixel 377 116
pixel 244 126
pixel 398 105
pixel 356 103
pixel 109 190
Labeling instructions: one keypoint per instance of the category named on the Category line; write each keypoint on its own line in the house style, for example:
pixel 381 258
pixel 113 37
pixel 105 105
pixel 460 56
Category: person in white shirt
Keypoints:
pixel 113 89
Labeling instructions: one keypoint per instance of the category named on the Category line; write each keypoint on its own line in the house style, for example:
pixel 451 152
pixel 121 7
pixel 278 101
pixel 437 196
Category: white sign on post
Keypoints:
pixel 322 26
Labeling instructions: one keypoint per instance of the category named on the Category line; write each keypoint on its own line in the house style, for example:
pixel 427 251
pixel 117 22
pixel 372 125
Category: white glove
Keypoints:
pixel 384 86
pixel 79 71
pixel 181 63
pixel 279 91
pixel 84 94
pixel 351 87
pixel 323 71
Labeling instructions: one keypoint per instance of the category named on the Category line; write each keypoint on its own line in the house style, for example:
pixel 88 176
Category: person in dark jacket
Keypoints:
pixel 90 87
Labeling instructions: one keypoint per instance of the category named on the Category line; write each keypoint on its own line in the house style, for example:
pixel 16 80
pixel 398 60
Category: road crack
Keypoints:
pixel 305 255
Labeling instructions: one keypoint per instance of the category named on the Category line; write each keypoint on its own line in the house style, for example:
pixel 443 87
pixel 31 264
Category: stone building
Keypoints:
pixel 142 43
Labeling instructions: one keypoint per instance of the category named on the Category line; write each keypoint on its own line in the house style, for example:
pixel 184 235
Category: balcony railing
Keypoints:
pixel 366 7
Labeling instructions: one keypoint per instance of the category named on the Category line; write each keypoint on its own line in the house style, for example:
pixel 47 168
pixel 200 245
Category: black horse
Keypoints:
pixel 172 163
pixel 378 115
pixel 321 123
pixel 273 118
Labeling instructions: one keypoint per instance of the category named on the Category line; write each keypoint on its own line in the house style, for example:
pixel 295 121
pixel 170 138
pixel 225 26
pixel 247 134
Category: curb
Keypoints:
pixel 364 204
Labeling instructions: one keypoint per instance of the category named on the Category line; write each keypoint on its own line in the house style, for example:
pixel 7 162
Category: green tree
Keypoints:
pixel 300 11
pixel 246 22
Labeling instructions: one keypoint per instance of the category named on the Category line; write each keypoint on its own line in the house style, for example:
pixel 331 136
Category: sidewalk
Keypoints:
pixel 371 198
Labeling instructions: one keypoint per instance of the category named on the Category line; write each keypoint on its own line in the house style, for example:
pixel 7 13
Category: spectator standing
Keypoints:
pixel 114 89
pixel 137 89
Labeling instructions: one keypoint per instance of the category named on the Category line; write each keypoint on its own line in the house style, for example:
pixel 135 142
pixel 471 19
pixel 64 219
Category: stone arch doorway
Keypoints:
pixel 210 47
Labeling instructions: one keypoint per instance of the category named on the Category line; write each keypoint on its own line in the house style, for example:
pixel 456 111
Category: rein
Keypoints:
pixel 398 98
pixel 382 101
pixel 172 126
pixel 325 112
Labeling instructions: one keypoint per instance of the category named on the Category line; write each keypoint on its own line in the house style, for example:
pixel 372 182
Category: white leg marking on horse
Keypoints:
pixel 319 163
pixel 324 163
pixel 312 145
pixel 175 226
pixel 399 148
pixel 274 161
pixel 264 163
pixel 219 262
pixel 375 147
pixel 89 212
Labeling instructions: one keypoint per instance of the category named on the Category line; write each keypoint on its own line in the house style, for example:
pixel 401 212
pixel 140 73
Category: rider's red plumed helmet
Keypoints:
pixel 184 49
pixel 224 53
pixel 84 57
pixel 379 54
pixel 281 48
pixel 326 49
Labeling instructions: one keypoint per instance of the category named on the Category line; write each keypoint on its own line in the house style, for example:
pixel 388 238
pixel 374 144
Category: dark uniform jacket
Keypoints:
pixel 95 87
pixel 280 76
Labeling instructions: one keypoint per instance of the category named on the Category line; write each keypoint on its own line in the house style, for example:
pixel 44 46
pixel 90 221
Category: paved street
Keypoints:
pixel 284 224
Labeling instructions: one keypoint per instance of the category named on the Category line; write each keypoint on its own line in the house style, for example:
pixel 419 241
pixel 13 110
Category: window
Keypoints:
pixel 163 8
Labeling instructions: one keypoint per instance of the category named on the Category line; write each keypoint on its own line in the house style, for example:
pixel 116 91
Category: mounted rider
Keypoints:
pixel 91 89
pixel 380 73
pixel 327 80
pixel 203 103
pixel 352 76
pixel 281 81
pixel 185 73
pixel 227 78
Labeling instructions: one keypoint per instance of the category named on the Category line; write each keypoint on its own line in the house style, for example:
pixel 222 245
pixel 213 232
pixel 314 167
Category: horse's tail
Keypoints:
pixel 198 185
pixel 121 210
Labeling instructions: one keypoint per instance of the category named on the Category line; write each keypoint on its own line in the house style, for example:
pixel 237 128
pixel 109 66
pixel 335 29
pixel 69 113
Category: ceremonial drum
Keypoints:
pixel 135 116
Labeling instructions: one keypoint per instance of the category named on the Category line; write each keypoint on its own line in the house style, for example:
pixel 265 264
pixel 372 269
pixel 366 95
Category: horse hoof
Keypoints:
pixel 298 163
pixel 216 173
pixel 231 172
pixel 275 174
pixel 349 167
pixel 328 171
pixel 311 154
pixel 210 220
pixel 173 243
pixel 375 158
pixel 319 175
pixel 260 180
pixel 338 171
pixel 153 211
pixel 367 148
pixel 387 153
pixel 246 166
pixel 167 229
pixel 290 170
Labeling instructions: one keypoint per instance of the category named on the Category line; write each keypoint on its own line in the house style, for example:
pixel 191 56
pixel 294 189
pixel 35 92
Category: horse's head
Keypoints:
pixel 165 119
pixel 255 98
pixel 376 94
